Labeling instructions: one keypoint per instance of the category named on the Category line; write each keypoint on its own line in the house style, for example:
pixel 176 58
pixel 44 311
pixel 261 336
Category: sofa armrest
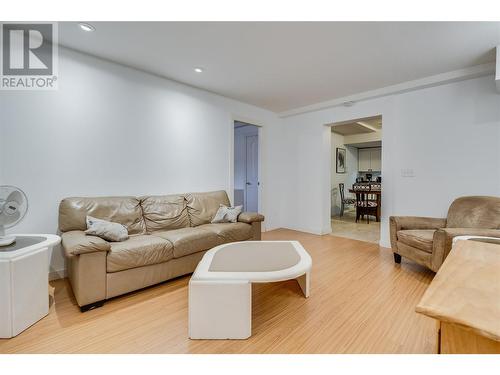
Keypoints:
pixel 76 242
pixel 397 223
pixel 250 217
pixel 443 240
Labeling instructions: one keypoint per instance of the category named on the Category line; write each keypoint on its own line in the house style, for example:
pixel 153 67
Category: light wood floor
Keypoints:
pixel 361 302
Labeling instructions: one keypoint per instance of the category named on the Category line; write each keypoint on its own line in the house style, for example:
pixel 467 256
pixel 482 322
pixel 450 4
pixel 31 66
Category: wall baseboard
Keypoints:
pixel 316 231
pixel 385 244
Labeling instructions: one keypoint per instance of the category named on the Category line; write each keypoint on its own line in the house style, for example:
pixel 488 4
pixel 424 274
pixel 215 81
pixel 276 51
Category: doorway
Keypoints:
pixel 246 166
pixel 356 165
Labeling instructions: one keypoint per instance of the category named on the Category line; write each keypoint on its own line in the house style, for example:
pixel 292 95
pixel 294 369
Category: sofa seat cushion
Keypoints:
pixel 421 238
pixel 189 240
pixel 230 232
pixel 138 251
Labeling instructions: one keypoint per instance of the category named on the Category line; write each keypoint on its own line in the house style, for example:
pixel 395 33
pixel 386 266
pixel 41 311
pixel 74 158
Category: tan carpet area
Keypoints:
pixel 361 302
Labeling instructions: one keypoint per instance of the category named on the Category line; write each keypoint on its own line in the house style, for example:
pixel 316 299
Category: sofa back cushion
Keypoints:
pixel 474 212
pixel 202 207
pixel 164 212
pixel 123 210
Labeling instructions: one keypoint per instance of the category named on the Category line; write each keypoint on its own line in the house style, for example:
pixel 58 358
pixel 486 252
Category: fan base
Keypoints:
pixel 7 240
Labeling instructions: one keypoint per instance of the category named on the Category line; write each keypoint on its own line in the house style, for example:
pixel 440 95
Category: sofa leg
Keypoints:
pixel 91 306
pixel 397 258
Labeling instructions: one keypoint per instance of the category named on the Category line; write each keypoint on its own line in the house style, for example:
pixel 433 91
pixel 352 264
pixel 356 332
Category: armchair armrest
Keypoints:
pixel 417 222
pixel 76 242
pixel 443 240
pixel 250 217
pixel 397 223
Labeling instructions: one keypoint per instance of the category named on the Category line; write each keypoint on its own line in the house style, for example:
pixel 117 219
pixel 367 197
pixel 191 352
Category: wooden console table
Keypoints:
pixel 465 299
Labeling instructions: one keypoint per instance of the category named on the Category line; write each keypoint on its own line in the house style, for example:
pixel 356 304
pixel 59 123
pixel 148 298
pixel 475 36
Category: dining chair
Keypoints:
pixel 343 200
pixel 364 205
pixel 374 186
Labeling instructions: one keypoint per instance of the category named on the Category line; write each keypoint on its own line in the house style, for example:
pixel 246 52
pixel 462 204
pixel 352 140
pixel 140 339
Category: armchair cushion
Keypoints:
pixel 399 223
pixel 419 238
pixel 250 217
pixel 76 242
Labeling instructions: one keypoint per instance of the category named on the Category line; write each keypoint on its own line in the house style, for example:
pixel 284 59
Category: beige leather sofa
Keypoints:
pixel 168 236
pixel 428 241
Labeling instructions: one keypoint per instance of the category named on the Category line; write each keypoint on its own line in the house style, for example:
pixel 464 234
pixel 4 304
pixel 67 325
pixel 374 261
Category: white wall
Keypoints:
pixel 347 178
pixel 112 130
pixel 449 135
pixel 497 69
pixel 115 130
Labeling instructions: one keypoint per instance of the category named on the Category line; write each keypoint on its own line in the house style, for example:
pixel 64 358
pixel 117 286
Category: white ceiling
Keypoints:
pixel 285 65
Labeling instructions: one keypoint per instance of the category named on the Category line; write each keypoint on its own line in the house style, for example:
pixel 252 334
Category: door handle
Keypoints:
pixel 249 183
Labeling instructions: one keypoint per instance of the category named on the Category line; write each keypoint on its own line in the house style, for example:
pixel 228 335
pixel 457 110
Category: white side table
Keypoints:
pixel 220 290
pixel 24 276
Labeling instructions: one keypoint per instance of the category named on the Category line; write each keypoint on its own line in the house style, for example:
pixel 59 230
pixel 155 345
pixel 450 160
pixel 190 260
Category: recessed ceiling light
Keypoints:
pixel 198 70
pixel 86 27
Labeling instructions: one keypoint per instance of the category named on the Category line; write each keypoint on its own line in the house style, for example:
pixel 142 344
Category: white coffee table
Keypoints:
pixel 24 277
pixel 220 290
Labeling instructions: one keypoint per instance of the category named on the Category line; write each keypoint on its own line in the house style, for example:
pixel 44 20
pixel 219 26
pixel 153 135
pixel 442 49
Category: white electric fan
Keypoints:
pixel 13 207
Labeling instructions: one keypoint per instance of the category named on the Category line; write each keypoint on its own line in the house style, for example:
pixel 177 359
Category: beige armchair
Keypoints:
pixel 428 241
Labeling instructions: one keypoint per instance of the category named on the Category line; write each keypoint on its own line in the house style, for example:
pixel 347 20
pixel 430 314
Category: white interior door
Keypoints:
pixel 252 174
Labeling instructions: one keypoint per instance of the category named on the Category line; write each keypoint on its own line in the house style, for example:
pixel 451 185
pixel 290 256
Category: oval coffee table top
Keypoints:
pixel 255 261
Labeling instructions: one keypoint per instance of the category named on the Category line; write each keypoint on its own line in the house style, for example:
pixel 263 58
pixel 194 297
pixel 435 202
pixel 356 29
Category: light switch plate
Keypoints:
pixel 407 172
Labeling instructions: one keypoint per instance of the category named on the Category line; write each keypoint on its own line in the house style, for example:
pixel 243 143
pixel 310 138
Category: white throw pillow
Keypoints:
pixel 220 215
pixel 107 230
pixel 227 214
